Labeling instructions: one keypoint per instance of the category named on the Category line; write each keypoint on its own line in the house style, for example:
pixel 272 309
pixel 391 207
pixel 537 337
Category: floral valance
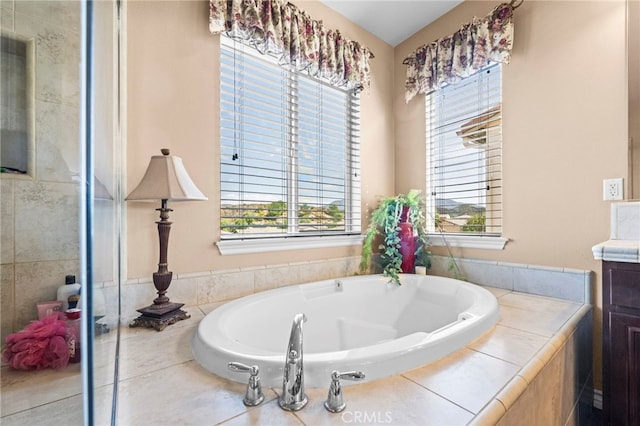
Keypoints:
pixel 457 56
pixel 281 28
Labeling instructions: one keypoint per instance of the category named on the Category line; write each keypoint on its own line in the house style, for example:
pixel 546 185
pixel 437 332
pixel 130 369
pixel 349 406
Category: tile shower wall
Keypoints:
pixel 39 223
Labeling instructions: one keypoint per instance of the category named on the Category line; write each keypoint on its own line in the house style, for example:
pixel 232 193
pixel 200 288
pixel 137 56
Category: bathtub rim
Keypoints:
pixel 384 354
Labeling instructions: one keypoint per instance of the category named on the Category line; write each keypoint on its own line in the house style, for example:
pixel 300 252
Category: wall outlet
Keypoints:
pixel 612 189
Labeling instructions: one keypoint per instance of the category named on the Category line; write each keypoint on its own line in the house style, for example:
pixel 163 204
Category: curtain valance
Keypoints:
pixel 457 56
pixel 281 28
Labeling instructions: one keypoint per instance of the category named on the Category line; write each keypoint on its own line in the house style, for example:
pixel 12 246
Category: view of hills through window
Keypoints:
pixel 464 155
pixel 289 150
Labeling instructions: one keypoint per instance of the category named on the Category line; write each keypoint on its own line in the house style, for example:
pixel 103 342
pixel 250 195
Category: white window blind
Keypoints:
pixel 464 155
pixel 290 154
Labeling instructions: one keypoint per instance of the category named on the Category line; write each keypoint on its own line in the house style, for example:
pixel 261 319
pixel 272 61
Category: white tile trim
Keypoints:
pixel 617 251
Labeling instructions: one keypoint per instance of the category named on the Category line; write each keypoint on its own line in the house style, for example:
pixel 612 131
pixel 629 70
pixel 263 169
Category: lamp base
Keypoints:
pixel 160 316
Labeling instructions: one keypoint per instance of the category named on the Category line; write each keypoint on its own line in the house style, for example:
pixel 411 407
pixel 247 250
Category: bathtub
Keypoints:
pixel 359 323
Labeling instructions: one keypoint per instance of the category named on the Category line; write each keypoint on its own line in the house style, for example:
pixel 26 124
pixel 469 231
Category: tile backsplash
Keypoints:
pixel 563 283
pixel 218 286
pixel 625 221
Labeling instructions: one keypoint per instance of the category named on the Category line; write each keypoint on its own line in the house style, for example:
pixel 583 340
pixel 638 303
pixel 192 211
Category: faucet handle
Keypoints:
pixel 335 402
pixel 254 395
pixel 349 375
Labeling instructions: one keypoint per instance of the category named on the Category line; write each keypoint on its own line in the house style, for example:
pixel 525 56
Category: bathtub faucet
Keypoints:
pixel 293 397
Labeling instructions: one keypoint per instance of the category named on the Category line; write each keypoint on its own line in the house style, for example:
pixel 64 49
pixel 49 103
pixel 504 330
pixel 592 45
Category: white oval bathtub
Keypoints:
pixel 358 323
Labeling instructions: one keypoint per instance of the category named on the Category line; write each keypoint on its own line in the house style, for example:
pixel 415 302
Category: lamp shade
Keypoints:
pixel 166 179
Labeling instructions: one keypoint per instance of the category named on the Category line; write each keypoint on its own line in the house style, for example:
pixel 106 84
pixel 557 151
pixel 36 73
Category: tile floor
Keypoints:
pixel 161 384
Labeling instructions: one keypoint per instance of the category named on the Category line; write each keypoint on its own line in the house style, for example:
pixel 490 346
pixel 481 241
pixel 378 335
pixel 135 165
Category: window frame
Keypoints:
pixel 288 240
pixel 438 237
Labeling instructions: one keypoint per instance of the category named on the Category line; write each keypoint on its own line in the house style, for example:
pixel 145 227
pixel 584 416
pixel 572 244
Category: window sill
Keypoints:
pixel 468 241
pixel 262 245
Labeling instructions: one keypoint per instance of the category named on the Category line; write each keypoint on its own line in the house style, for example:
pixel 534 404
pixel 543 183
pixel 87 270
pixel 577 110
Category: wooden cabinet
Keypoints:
pixel 621 345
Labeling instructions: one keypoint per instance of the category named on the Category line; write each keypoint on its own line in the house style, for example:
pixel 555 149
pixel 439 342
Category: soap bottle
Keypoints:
pixel 64 291
pixel 72 324
pixel 74 301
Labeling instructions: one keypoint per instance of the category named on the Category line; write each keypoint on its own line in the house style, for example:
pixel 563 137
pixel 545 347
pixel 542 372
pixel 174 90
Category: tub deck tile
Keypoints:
pixel 159 367
pixel 467 378
pixel 393 400
pixel 509 344
pixel 269 413
pixel 535 314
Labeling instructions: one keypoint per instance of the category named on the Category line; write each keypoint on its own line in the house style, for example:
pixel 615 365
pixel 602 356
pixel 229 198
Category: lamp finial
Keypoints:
pixel 165 151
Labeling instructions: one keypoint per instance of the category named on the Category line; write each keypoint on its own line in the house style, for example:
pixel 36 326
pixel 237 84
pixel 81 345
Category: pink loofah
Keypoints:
pixel 40 345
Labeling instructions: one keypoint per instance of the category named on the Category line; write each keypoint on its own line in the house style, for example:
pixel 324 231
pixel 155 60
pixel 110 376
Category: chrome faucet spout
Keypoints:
pixel 293 397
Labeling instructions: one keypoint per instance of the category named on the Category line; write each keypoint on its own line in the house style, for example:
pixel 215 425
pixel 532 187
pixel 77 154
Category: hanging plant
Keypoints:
pixel 386 220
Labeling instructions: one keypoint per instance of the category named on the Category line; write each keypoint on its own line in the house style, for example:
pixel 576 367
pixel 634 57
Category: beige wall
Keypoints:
pixel 564 130
pixel 172 102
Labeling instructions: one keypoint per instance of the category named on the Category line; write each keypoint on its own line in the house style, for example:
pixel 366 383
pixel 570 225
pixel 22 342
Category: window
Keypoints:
pixel 464 156
pixel 289 154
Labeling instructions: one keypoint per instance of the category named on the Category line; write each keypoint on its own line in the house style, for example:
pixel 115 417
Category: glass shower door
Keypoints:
pixel 59 207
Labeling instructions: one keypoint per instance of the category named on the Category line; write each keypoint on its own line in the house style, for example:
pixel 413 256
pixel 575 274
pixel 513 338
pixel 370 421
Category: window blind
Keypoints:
pixel 464 155
pixel 289 145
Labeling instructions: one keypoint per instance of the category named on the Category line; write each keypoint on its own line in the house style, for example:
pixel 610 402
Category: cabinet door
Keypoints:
pixel 625 369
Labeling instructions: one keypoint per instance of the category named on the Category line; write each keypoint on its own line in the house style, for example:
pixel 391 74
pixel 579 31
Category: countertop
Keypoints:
pixel 624 239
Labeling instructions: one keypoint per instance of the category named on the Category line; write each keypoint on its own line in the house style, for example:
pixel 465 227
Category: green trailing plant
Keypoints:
pixel 385 221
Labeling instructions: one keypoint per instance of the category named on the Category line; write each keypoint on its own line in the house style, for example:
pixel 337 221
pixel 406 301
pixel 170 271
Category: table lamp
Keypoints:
pixel 166 179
